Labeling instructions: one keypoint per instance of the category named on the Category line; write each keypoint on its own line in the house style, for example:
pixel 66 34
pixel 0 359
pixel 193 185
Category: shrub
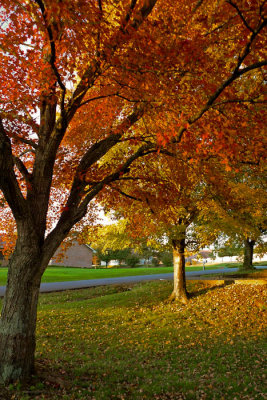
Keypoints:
pixel 132 260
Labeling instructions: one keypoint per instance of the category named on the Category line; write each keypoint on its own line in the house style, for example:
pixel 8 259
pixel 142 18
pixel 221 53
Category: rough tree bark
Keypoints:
pixel 18 317
pixel 31 256
pixel 248 254
pixel 179 281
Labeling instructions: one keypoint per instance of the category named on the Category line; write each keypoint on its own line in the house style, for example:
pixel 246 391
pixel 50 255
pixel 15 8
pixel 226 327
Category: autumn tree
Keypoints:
pixel 76 76
pixel 239 208
pixel 162 204
pixel 114 236
pixel 116 239
pixel 188 203
pixel 109 254
pixel 55 58
pixel 255 217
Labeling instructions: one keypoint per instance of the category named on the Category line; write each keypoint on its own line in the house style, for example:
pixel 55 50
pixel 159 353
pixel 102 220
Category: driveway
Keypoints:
pixel 60 286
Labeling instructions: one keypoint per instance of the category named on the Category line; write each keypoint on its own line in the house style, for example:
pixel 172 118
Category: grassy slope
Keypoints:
pixel 128 342
pixel 60 274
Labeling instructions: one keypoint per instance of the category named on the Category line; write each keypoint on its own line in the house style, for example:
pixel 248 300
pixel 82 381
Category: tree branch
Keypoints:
pixel 75 208
pixel 235 75
pixel 73 214
pixel 241 15
pixel 145 10
pixel 97 98
pixel 27 141
pixel 82 88
pixel 125 194
pixel 94 70
pixel 8 182
pixel 128 15
pixel 130 100
pixel 251 101
pixel 52 59
pixel 22 169
pixel 99 149
pixel 199 4
pixel 115 175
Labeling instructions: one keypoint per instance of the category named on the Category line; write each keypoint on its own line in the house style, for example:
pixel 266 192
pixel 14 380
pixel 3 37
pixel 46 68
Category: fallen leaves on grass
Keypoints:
pixel 112 343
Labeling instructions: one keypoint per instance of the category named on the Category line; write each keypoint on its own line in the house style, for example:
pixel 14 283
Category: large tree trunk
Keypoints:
pixel 179 282
pixel 248 254
pixel 18 318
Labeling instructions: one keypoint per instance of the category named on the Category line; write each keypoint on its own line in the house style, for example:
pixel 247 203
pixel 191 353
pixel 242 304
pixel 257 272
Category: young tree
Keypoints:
pixel 76 77
pixel 163 201
pixel 132 260
pixel 166 258
pixel 105 256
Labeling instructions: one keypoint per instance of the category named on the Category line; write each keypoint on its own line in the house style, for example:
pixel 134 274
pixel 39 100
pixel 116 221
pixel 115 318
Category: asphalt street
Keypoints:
pixel 60 286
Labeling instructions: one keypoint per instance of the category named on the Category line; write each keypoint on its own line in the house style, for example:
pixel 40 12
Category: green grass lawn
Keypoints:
pixel 129 342
pixel 61 274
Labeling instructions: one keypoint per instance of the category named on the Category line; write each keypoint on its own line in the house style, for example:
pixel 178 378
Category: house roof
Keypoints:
pixel 89 247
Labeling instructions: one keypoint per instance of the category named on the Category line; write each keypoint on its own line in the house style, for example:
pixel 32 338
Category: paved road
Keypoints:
pixel 60 286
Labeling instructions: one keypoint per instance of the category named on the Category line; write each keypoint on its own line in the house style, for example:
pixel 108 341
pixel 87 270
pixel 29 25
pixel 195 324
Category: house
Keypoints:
pixel 76 255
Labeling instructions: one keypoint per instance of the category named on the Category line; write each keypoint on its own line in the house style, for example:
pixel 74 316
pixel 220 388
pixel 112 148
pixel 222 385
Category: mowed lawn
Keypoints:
pixel 129 343
pixel 61 274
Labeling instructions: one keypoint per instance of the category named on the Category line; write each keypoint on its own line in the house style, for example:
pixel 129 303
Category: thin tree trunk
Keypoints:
pixel 248 254
pixel 179 282
pixel 18 318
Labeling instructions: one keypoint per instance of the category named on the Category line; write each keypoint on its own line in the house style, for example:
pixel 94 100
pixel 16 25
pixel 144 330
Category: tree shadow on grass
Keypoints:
pixel 208 288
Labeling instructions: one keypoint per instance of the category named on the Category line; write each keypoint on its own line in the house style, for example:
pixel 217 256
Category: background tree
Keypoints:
pixel 132 260
pixel 163 203
pixel 239 209
pixel 189 203
pixel 120 241
pixel 166 258
pixel 105 256
pixel 114 236
pixel 228 247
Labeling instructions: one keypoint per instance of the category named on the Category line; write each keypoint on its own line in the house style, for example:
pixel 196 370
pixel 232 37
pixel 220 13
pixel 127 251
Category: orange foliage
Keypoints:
pixel 187 76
